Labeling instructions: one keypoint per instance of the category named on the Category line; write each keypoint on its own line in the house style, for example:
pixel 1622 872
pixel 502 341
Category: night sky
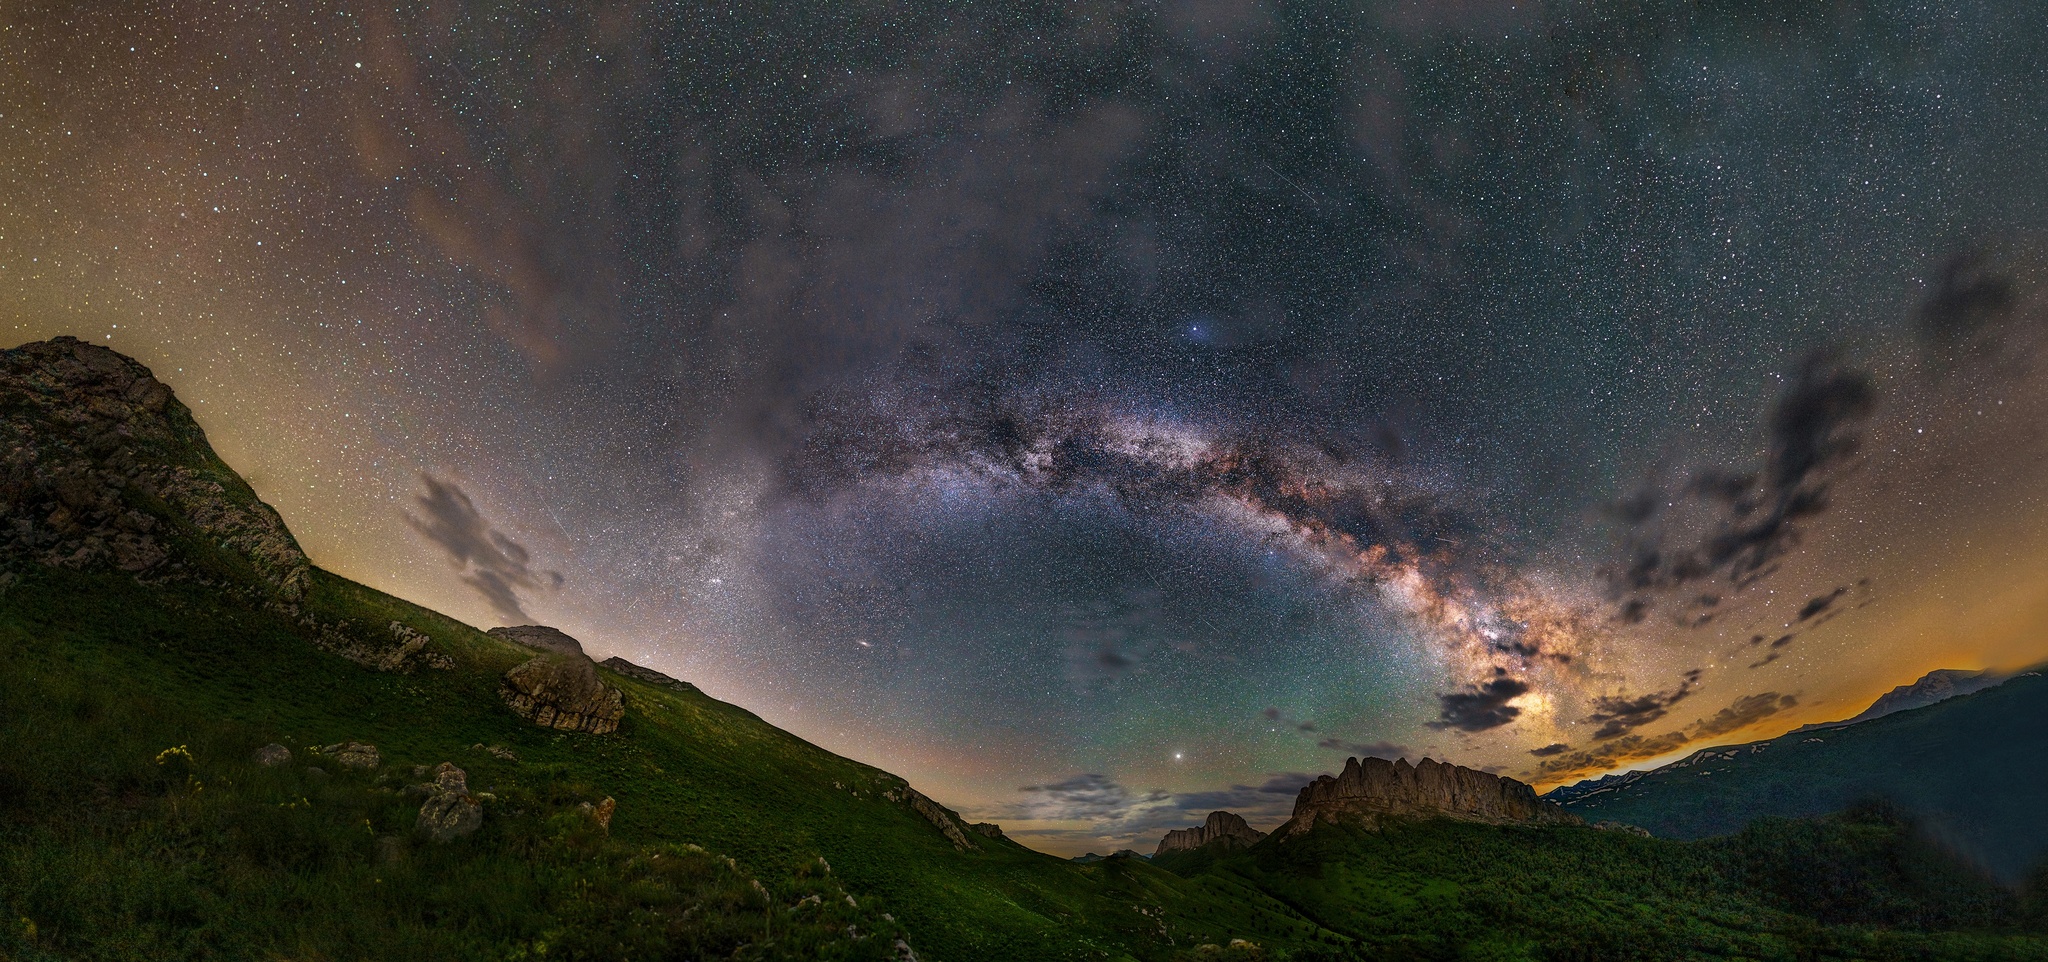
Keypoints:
pixel 1104 413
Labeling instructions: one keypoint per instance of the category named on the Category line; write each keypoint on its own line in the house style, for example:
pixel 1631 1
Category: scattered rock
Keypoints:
pixel 601 813
pixel 495 751
pixel 559 687
pixel 1222 829
pixel 904 952
pixel 354 755
pixel 273 755
pixel 1376 789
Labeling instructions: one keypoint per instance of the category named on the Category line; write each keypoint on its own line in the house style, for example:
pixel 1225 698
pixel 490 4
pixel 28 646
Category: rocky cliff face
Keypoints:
pixel 558 687
pixel 104 468
pixel 1223 829
pixel 1374 789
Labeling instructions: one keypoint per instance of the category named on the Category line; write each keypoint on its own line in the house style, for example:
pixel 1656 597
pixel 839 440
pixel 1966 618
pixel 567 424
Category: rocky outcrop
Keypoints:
pixel 648 675
pixel 104 469
pixel 932 813
pixel 1222 829
pixel 986 829
pixel 558 687
pixel 450 811
pixel 1375 790
pixel 273 755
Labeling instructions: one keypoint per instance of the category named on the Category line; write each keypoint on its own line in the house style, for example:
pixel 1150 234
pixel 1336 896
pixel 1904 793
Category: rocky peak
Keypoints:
pixel 1374 789
pixel 104 468
pixel 1224 829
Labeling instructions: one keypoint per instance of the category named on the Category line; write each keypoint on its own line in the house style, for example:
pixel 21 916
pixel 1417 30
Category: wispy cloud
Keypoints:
pixel 498 567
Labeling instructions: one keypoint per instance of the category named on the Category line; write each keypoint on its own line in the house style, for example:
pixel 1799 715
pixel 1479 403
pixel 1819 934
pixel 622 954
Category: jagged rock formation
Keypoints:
pixel 1222 829
pixel 104 468
pixel 648 675
pixel 559 688
pixel 932 813
pixel 1375 789
pixel 986 829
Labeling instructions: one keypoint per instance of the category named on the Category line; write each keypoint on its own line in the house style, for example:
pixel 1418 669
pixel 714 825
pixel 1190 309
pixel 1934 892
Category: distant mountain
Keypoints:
pixel 1092 858
pixel 1566 793
pixel 1940 684
pixel 1226 829
pixel 1968 767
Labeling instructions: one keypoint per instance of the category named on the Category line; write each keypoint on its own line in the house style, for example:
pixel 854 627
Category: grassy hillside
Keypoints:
pixel 1970 768
pixel 108 851
pixel 1861 886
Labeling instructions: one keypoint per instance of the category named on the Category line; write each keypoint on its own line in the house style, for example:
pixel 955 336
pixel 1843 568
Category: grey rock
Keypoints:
pixel 273 755
pixel 449 816
pixel 986 829
pixel 354 755
pixel 559 688
pixel 450 811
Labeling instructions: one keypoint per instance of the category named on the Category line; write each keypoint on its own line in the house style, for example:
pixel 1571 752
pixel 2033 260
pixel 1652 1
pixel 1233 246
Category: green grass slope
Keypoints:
pixel 1861 886
pixel 107 853
pixel 1969 768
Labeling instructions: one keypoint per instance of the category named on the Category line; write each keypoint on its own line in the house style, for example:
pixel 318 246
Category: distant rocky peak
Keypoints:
pixel 1225 829
pixel 1372 790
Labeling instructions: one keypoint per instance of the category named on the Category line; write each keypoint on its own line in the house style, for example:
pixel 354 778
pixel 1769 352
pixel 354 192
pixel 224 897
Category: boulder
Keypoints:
pixel 601 813
pixel 354 755
pixel 558 687
pixel 450 811
pixel 449 816
pixel 273 755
